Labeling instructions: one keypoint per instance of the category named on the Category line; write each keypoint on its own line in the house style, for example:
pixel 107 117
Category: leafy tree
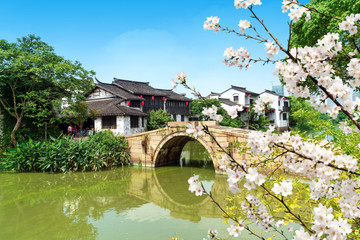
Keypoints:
pixel 79 112
pixel 34 80
pixel 158 119
pixel 307 33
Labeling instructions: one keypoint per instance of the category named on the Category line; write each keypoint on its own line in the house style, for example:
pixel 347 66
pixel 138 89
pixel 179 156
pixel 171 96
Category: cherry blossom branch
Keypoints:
pixel 234 219
pixel 230 30
pixel 267 30
pixel 326 164
pixel 269 159
pixel 355 45
pixel 298 217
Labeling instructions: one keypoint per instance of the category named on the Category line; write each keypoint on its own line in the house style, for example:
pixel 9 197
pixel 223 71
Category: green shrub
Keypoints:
pixel 103 150
pixel 158 119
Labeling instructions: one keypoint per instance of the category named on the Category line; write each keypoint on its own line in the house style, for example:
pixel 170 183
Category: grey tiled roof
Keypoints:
pixel 139 88
pixel 171 95
pixel 242 89
pixel 274 93
pixel 228 102
pixel 111 107
pixel 118 91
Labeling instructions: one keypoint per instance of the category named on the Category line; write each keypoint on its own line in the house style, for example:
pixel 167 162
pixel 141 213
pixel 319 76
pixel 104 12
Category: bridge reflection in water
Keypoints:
pixel 111 204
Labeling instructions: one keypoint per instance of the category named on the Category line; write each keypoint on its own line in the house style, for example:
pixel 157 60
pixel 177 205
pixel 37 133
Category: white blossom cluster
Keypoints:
pixel 349 23
pixel 284 188
pixel 238 58
pixel 212 23
pixel 262 102
pixel 212 233
pixel 193 130
pixel 195 185
pixel 256 211
pixel 322 166
pixel 324 223
pixel 296 11
pixel 271 49
pixel 243 25
pixel 235 230
pixel 212 113
pixel 246 3
pixel 313 62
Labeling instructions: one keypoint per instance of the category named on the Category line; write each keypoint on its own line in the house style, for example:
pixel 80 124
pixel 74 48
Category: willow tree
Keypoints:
pixel 33 78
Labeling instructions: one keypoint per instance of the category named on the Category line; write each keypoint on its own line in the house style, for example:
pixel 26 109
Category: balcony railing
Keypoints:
pixel 286 109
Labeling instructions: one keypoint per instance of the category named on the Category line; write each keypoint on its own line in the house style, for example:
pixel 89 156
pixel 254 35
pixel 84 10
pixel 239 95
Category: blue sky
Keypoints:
pixel 147 40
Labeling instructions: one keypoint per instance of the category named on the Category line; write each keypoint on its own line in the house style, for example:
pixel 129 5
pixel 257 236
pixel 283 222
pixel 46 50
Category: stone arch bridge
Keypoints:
pixel 163 146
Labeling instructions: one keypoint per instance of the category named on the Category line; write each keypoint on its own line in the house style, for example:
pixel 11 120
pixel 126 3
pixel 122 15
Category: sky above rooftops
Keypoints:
pixel 148 41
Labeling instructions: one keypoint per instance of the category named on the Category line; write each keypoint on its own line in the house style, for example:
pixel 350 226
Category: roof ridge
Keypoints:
pixel 131 81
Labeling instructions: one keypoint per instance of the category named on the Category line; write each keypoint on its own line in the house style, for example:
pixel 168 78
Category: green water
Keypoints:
pixel 124 203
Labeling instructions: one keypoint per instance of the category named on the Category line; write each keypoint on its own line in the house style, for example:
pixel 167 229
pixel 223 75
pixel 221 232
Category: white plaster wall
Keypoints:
pixel 186 118
pixel 103 94
pixel 214 97
pixel 230 95
pixel 97 124
pixel 128 130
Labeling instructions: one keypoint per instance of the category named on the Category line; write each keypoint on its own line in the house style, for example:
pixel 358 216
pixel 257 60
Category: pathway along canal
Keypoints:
pixel 126 203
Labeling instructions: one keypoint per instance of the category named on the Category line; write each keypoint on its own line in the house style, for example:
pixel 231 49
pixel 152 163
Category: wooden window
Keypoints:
pixel 135 104
pixel 279 102
pixel 286 104
pixel 108 122
pixel 174 117
pixel 134 122
pixel 236 98
pixel 251 101
pixel 142 121
pixel 182 118
pixel 284 116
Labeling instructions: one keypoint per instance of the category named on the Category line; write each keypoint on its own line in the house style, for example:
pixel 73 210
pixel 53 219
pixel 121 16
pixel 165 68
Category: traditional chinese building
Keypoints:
pixel 122 106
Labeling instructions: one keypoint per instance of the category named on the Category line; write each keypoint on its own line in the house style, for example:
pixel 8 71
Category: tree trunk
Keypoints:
pixel 16 127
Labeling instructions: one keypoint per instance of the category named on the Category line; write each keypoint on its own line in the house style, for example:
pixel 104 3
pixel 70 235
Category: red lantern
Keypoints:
pixel 245 95
pixel 274 110
pixel 259 96
pixel 246 110
pixel 128 103
pixel 141 96
pixel 187 103
pixel 284 99
pixel 267 110
pixel 142 103
pixel 152 97
pixel 279 98
pixel 237 109
pixel 163 98
pixel 250 95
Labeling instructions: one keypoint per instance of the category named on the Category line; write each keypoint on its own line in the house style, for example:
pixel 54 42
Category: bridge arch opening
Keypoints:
pixel 170 150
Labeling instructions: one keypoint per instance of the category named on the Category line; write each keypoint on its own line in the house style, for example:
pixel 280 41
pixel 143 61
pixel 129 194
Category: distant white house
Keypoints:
pixel 277 113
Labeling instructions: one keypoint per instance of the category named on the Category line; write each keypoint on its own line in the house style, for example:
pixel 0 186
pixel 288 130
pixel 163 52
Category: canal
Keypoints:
pixel 123 203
